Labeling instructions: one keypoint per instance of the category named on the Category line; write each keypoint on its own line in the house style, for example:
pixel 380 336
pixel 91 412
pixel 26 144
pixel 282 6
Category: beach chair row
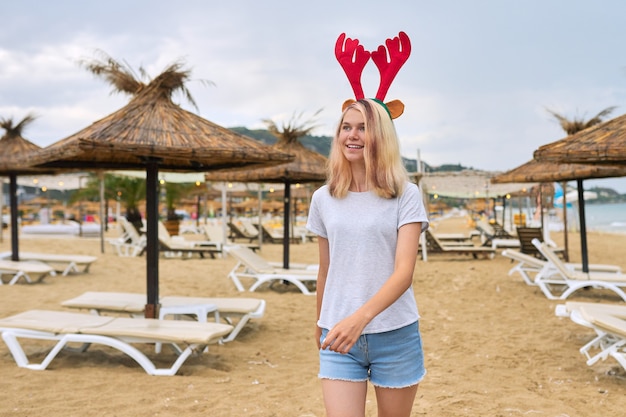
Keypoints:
pixel 124 333
pixel 559 280
pixel 102 324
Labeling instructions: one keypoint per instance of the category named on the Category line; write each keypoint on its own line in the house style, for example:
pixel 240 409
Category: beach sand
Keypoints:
pixel 493 344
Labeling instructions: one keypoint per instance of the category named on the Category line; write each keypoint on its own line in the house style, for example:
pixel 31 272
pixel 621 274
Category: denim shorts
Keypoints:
pixel 393 359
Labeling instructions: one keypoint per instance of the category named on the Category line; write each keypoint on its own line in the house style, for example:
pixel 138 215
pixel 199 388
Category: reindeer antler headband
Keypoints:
pixel 353 57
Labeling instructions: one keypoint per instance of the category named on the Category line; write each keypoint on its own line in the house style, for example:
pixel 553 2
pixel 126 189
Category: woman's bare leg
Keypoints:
pixel 395 402
pixel 344 398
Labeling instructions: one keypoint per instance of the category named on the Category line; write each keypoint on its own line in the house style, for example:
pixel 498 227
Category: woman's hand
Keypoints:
pixel 344 335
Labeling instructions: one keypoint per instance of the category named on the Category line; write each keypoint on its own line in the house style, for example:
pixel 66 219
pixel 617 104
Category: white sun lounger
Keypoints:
pixel 564 282
pixel 176 246
pixel 29 271
pixel 65 264
pixel 609 323
pixel 528 264
pixel 250 265
pixel 241 310
pixel 116 332
pixel 571 310
pixel 130 242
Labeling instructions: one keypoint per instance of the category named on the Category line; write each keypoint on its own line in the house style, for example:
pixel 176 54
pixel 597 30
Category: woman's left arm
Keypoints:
pixel 342 337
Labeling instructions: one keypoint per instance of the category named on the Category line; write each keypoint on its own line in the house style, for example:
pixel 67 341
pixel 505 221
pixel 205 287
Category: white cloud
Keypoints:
pixel 475 87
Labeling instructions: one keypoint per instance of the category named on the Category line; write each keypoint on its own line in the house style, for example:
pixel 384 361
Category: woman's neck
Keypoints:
pixel 358 187
pixel 359 182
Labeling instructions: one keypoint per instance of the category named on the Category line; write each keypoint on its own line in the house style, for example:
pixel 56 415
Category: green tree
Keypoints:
pixel 130 191
pixel 174 192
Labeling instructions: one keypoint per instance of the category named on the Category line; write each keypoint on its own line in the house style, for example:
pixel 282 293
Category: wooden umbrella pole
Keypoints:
pixel 103 215
pixel 565 231
pixel 152 242
pixel 583 225
pixel 14 226
pixel 286 221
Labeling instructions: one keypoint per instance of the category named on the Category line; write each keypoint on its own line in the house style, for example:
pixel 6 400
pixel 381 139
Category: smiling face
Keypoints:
pixel 352 136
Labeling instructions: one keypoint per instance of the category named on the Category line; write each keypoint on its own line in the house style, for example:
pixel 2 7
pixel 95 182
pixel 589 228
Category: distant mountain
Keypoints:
pixel 319 144
pixel 606 195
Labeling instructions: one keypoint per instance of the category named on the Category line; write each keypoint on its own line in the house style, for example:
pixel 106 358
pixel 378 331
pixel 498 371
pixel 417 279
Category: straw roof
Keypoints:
pixel 538 171
pixel 602 143
pixel 150 133
pixel 467 184
pixel 13 144
pixel 152 127
pixel 307 166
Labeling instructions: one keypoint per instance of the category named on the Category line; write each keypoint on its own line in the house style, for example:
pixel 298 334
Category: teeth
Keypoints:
pixel 354 147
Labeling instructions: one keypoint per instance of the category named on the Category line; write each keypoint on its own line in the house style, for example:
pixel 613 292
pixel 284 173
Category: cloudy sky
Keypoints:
pixel 476 88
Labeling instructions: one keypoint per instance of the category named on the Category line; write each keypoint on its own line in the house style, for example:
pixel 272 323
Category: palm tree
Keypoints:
pixel 174 192
pixel 129 191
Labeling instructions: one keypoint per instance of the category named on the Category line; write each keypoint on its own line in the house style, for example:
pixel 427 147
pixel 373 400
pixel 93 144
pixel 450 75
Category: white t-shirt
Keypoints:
pixel 362 233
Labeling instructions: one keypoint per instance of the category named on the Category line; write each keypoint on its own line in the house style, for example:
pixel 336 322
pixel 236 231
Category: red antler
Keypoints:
pixel 399 50
pixel 352 57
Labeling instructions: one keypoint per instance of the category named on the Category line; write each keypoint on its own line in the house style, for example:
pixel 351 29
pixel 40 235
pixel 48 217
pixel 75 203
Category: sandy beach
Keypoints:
pixel 493 344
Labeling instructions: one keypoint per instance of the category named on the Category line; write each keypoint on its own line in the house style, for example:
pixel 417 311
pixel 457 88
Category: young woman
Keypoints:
pixel 368 218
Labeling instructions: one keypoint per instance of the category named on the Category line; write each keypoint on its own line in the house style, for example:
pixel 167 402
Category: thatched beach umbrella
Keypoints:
pixel 592 141
pixel 151 133
pixel 307 166
pixel 538 171
pixel 603 143
pixel 12 146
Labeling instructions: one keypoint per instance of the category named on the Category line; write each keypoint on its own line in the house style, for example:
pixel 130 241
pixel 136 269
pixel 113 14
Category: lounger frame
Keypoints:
pixel 122 341
pixel 133 304
pixel 252 266
pixel 563 282
pixel 28 271
pixel 11 336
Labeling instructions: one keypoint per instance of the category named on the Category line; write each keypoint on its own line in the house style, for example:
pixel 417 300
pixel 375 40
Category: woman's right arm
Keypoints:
pixel 324 259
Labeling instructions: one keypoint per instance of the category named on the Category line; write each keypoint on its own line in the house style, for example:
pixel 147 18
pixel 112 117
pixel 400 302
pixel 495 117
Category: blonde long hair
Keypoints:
pixel 385 173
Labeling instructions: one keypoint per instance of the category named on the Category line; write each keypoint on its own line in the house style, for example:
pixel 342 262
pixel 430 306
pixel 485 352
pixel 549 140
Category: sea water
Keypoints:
pixel 609 218
pixel 606 217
